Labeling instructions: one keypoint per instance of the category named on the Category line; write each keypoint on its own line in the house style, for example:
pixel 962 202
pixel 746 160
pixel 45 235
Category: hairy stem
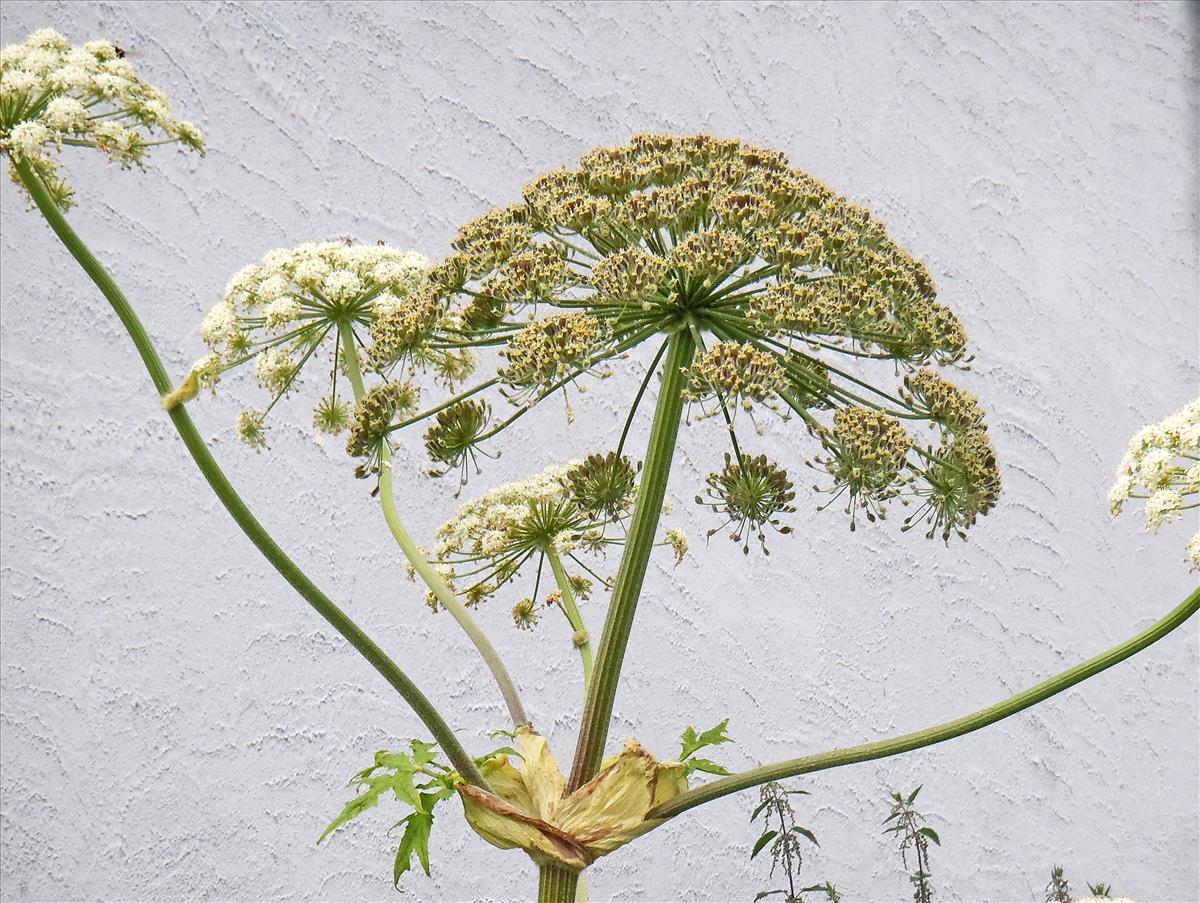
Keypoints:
pixel 233 503
pixel 571 609
pixel 441 590
pixel 557 884
pixel 927 737
pixel 627 589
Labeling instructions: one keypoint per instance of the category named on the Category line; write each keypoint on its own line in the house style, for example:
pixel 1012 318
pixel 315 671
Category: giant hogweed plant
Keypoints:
pixel 758 292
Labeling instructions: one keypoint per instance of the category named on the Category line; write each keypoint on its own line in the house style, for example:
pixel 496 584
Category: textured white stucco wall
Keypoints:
pixel 176 724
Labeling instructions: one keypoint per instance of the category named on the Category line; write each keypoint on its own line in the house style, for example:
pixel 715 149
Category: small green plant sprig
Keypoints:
pixel 1058 890
pixel 782 835
pixel 908 824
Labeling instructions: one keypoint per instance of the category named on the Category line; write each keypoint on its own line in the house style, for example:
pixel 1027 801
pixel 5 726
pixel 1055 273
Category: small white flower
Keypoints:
pixel 28 140
pixel 1163 506
pixel 341 285
pixel 274 368
pixel 220 324
pixel 311 272
pixel 65 114
pixel 281 312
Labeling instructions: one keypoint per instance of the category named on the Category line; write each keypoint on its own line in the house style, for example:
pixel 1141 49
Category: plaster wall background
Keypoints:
pixel 176 724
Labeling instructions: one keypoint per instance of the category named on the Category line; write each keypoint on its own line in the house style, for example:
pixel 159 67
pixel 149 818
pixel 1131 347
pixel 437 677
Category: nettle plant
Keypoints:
pixel 758 291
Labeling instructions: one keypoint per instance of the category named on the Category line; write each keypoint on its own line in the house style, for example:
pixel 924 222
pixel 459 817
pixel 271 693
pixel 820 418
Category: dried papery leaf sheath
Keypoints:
pixel 531 809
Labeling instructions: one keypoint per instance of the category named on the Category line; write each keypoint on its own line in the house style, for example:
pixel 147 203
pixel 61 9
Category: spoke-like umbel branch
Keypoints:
pixel 881 749
pixel 241 514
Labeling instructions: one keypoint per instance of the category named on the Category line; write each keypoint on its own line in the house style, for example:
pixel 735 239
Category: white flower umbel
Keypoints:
pixel 1162 466
pixel 54 95
pixel 284 310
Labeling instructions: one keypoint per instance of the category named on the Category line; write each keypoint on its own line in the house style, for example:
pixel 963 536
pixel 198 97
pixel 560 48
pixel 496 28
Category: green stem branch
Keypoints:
pixel 948 731
pixel 441 590
pixel 229 497
pixel 627 588
pixel 571 609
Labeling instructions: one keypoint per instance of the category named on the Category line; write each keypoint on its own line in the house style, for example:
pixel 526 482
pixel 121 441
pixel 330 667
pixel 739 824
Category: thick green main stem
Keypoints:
pixel 949 730
pixel 441 590
pixel 570 608
pixel 557 884
pixel 233 503
pixel 627 589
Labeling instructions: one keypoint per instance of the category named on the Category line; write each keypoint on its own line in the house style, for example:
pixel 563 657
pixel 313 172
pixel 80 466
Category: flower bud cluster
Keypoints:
pixel 452 439
pixel 373 415
pixel 566 510
pixel 945 402
pixel 751 493
pixel 53 94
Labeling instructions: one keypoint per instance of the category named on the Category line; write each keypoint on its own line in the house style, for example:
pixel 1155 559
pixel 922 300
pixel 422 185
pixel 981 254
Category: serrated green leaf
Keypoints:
pixel 912 796
pixel 405 790
pixel 360 804
pixel 931 834
pixel 804 832
pixel 415 841
pixel 691 741
pixel 707 766
pixel 762 842
pixel 423 753
pixel 763 894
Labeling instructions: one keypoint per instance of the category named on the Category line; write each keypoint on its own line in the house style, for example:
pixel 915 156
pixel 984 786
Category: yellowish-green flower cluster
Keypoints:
pixel 54 95
pixel 1162 467
pixel 785 286
pixel 736 371
pixel 550 349
pixel 290 310
pixel 868 450
pixel 945 402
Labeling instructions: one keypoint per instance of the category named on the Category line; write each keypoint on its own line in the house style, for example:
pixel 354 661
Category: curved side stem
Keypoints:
pixel 441 590
pixel 949 730
pixel 570 608
pixel 627 589
pixel 233 503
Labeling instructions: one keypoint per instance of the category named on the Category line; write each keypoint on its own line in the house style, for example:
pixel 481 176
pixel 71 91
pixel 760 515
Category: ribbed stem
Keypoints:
pixel 949 730
pixel 574 617
pixel 556 884
pixel 627 589
pixel 441 590
pixel 228 495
